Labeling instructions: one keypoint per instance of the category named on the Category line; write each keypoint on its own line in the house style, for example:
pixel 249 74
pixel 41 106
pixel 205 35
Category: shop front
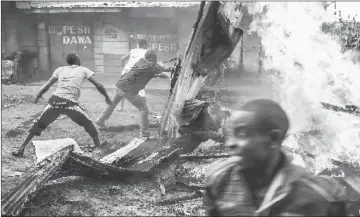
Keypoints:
pixel 70 33
pixel 161 35
pixel 103 42
pixel 102 35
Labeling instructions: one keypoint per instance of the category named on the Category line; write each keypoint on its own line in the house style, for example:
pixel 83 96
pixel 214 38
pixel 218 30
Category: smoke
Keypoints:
pixel 310 68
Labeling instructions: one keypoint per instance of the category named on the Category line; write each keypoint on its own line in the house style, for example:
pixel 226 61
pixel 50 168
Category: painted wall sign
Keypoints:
pixel 114 40
pixel 161 43
pixel 72 34
pixel 110 34
pixel 152 37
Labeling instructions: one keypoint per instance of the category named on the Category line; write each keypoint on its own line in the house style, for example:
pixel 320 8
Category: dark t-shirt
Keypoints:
pixel 138 76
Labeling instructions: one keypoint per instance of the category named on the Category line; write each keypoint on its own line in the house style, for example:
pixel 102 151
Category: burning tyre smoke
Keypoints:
pixel 310 68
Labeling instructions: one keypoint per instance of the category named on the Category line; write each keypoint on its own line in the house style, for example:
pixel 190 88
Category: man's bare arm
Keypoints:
pixel 160 69
pixel 45 88
pixel 101 89
pixel 167 69
pixel 125 58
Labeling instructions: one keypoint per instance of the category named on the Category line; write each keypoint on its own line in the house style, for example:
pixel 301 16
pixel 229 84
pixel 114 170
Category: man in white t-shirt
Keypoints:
pixel 65 100
pixel 132 57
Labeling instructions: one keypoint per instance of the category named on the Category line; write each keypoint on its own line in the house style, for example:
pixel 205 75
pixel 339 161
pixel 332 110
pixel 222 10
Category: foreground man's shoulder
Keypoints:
pixel 219 170
pixel 326 186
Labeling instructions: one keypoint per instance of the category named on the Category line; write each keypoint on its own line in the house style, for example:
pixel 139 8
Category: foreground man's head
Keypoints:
pixel 259 180
pixel 256 131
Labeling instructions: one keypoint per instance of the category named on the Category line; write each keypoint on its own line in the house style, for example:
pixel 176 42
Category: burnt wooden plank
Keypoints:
pixel 123 151
pixel 81 165
pixel 203 57
pixel 14 201
pixel 153 156
pixel 143 151
pixel 351 109
pixel 151 161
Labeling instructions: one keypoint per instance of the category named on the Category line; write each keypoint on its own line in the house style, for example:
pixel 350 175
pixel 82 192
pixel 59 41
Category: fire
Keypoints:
pixel 310 69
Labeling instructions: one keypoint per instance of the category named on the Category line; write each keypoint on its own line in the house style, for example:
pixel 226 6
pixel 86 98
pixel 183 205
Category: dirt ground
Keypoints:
pixel 80 195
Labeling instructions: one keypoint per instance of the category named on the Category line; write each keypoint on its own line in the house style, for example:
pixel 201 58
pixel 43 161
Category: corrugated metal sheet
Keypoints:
pixel 99 4
pixel 14 201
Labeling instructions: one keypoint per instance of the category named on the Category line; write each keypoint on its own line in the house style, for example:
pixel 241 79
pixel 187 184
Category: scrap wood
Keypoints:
pixel 157 162
pixel 195 195
pixel 216 34
pixel 195 157
pixel 62 163
pixel 123 151
pixel 352 109
pixel 130 127
pixel 14 201
pixel 82 165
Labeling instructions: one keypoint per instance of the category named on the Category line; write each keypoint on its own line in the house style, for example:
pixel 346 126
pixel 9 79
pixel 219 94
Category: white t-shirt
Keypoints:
pixel 135 55
pixel 70 79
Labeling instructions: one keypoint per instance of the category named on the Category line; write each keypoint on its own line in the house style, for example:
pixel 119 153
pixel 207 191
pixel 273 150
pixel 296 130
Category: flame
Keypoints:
pixel 310 69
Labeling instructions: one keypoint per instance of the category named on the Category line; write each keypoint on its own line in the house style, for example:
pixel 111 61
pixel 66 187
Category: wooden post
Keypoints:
pixel 260 57
pixel 216 33
pixel 241 57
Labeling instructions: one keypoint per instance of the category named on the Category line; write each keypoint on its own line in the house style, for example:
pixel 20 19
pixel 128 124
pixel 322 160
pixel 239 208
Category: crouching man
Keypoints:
pixel 65 101
pixel 258 180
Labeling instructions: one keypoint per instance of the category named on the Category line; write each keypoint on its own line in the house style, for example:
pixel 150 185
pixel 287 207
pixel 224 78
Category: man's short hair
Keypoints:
pixel 269 115
pixel 151 56
pixel 142 43
pixel 73 59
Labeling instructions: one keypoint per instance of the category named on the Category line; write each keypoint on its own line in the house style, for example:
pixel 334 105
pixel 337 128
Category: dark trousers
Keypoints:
pixel 58 106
